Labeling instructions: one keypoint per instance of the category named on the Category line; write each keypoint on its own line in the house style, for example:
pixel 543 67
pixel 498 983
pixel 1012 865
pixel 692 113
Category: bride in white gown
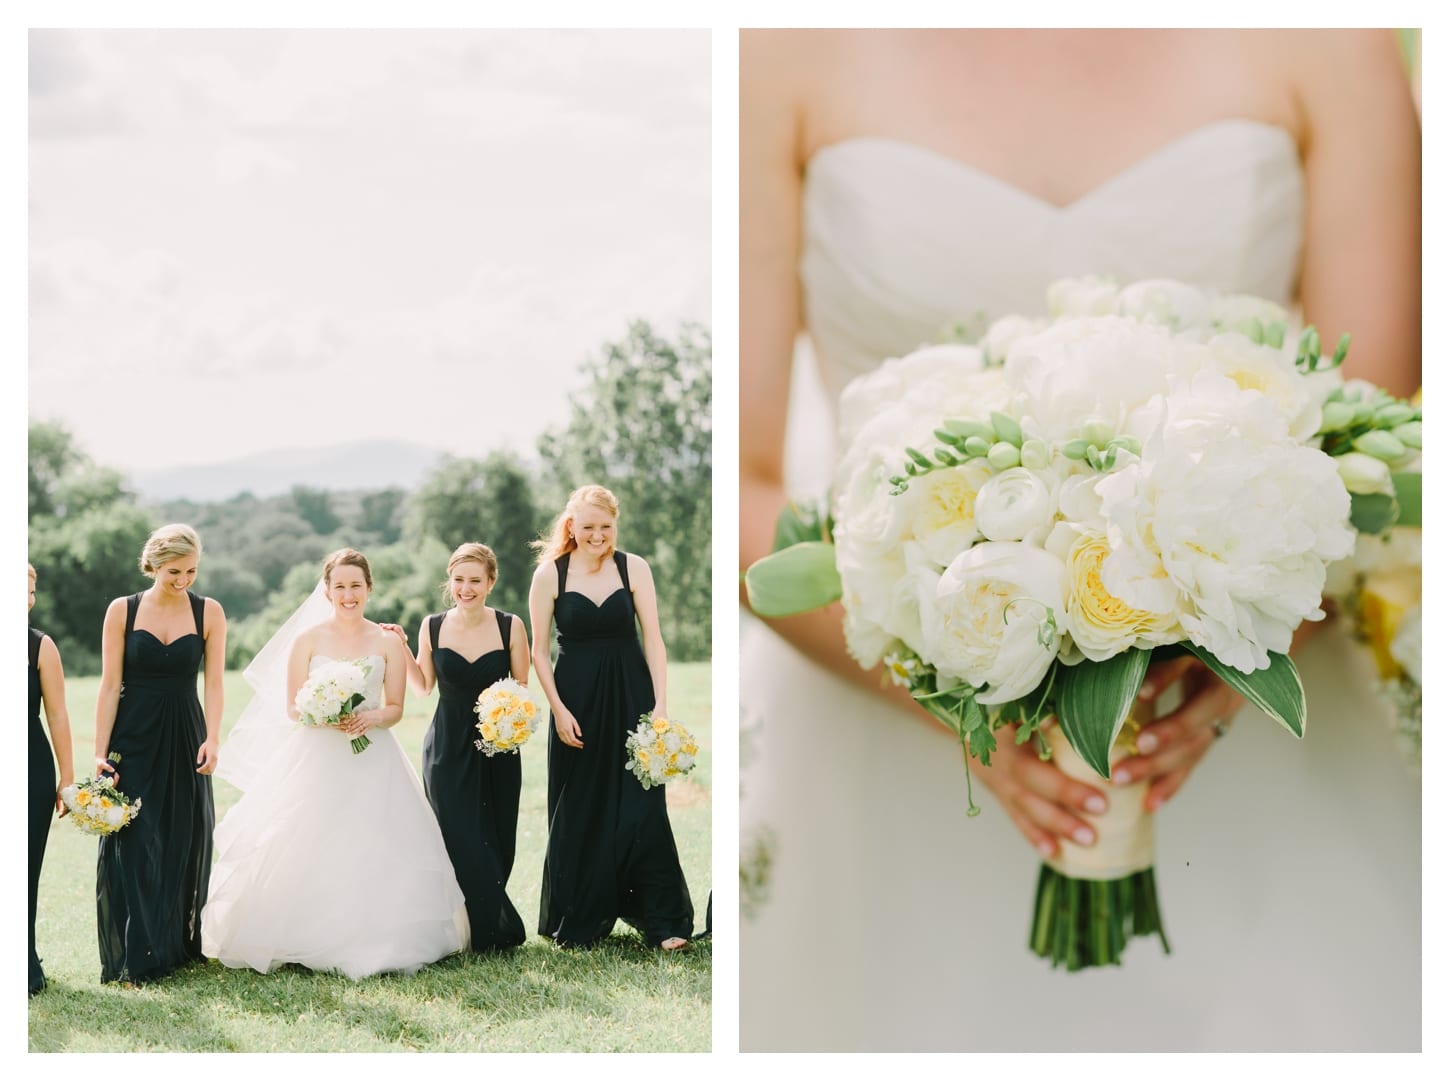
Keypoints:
pixel 893 183
pixel 332 859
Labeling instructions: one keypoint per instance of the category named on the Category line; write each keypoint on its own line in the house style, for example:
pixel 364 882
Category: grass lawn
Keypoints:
pixel 619 996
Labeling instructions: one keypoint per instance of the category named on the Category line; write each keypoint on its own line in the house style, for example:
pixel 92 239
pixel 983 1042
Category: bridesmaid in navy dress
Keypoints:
pixel 475 796
pixel 611 854
pixel 47 686
pixel 151 877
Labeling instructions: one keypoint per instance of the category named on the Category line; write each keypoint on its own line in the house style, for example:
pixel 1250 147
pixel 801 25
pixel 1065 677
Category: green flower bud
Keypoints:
pixel 1274 334
pixel 1387 416
pixel 975 447
pixel 1007 429
pixel 1036 454
pixel 1362 474
pixel 1076 449
pixel 966 429
pixel 1097 432
pixel 1003 456
pixel 1408 434
pixel 946 457
pixel 1336 416
pixel 1380 445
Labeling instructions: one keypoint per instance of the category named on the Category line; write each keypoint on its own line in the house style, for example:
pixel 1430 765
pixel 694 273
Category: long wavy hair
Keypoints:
pixel 558 539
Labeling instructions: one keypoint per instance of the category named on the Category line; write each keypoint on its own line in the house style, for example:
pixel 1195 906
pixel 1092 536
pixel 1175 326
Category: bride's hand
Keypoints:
pixel 395 629
pixel 1044 803
pixel 356 724
pixel 1170 747
pixel 568 729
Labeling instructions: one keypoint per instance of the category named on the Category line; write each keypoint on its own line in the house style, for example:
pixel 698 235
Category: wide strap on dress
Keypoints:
pixel 133 602
pixel 622 562
pixel 562 566
pixel 36 637
pixel 198 612
pixel 505 625
pixel 435 627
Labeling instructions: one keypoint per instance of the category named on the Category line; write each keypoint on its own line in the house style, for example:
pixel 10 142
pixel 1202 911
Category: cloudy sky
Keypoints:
pixel 248 240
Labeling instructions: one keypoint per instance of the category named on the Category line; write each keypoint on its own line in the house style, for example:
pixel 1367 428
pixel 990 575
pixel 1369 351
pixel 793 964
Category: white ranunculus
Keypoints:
pixel 990 626
pixel 1015 503
pixel 1088 295
pixel 1159 300
pixel 1231 515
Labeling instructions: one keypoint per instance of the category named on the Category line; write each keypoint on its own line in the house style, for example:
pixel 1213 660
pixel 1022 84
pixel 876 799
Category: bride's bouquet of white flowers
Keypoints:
pixel 659 749
pixel 331 693
pixel 1018 527
pixel 97 806
pixel 506 717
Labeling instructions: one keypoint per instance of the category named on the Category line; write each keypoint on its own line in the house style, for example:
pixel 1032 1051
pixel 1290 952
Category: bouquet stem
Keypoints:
pixel 1085 923
pixel 1091 900
pixel 360 744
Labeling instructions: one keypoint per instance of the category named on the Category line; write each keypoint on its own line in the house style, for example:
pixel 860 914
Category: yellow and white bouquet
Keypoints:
pixel 98 806
pixel 506 717
pixel 659 749
pixel 331 693
pixel 1018 528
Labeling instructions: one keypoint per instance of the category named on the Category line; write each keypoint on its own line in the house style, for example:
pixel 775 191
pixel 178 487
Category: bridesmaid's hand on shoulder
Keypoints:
pixel 393 628
pixel 568 729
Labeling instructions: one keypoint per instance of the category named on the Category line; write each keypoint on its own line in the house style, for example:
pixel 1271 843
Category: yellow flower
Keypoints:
pixel 529 710
pixel 661 724
pixel 489 730
pixel 644 756
pixel 1102 621
pixel 105 804
pixel 1387 596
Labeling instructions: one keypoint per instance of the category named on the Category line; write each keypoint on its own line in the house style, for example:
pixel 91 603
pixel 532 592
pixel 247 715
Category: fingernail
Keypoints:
pixel 1121 776
pixel 1082 835
pixel 1154 802
pixel 1095 804
pixel 1147 743
pixel 1146 691
pixel 1045 847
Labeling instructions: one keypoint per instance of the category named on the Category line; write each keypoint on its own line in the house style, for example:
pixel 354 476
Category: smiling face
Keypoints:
pixel 347 589
pixel 175 577
pixel 593 531
pixel 469 583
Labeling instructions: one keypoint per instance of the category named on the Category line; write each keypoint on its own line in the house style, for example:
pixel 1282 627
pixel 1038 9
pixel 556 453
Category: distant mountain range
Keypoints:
pixel 365 465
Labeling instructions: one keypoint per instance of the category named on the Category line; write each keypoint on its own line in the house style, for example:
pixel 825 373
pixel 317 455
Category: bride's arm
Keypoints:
pixel 298 659
pixel 1362 202
pixel 775 70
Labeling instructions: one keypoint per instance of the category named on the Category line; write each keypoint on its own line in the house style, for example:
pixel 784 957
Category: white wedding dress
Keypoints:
pixel 1288 872
pixel 333 860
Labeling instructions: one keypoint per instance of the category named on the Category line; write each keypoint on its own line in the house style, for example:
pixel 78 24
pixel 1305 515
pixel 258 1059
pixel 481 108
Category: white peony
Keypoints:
pixel 1088 295
pixel 1004 332
pixel 1226 519
pixel 993 621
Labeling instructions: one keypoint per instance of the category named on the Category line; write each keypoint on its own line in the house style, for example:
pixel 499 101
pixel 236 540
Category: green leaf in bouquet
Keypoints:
pixel 797 579
pixel 1371 513
pixel 1276 689
pixel 1093 702
pixel 1407 495
pixel 798 523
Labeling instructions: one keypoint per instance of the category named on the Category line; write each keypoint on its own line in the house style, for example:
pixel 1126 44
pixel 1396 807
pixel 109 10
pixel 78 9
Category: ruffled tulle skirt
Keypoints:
pixel 334 861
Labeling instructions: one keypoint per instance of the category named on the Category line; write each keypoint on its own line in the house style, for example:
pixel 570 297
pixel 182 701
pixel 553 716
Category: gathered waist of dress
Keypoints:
pixel 184 681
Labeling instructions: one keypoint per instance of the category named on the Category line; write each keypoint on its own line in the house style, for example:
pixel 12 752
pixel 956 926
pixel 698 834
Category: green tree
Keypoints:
pixel 314 506
pixel 381 514
pixel 642 429
pixel 491 501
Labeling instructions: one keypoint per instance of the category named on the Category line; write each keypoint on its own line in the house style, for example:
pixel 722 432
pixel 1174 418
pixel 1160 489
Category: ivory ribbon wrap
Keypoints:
pixel 1125 830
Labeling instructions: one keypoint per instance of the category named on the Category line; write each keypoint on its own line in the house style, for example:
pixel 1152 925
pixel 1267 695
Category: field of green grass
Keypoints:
pixel 619 996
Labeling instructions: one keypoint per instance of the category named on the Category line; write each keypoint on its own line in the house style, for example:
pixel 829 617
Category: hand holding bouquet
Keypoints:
pixel 331 693
pixel 659 749
pixel 506 717
pixel 1019 528
pixel 97 806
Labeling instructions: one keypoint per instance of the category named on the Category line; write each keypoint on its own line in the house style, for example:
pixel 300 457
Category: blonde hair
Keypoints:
pixel 347 557
pixel 169 542
pixel 472 552
pixel 559 539
pixel 31 569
